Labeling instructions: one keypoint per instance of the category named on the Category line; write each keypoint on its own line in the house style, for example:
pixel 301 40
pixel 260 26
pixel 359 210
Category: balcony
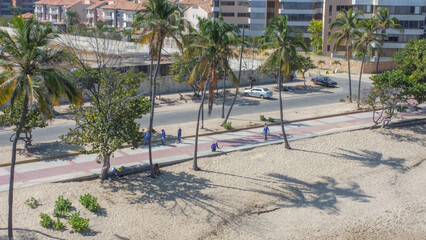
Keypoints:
pixel 53 11
pixel 38 10
pixel 257 10
pixel 108 17
pixel 299 11
pixel 128 19
pixel 215 9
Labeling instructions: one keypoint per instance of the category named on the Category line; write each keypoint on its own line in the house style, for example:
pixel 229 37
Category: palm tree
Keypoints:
pixel 211 43
pixel 31 75
pixel 365 42
pixel 158 20
pixel 283 41
pixel 385 22
pixel 72 18
pixel 336 62
pixel 321 62
pixel 347 22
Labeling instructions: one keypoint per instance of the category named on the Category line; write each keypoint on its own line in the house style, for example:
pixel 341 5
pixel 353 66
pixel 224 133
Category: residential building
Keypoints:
pixel 119 14
pixel 195 9
pixel 25 5
pixel 54 11
pixel 4 7
pixel 94 13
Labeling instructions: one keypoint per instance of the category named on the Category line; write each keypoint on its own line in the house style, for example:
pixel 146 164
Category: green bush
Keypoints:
pixel 262 118
pixel 32 202
pixel 342 100
pixel 58 225
pixel 62 207
pixel 46 220
pixel 271 120
pixel 227 126
pixel 89 202
pixel 78 223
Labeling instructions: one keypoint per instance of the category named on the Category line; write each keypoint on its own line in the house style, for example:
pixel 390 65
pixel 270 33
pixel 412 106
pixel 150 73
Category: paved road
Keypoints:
pixel 189 115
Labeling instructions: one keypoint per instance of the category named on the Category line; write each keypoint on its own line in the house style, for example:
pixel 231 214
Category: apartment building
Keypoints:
pixel 54 11
pixel 119 14
pixel 94 13
pixel 25 5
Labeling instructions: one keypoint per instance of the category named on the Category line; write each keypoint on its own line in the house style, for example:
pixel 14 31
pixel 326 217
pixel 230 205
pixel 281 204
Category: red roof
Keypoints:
pixel 124 5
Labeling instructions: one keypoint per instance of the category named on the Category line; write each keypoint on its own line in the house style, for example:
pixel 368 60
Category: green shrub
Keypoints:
pixel 46 221
pixel 78 223
pixel 59 213
pixel 58 225
pixel 32 202
pixel 62 207
pixel 342 100
pixel 227 126
pixel 89 202
pixel 262 118
pixel 271 120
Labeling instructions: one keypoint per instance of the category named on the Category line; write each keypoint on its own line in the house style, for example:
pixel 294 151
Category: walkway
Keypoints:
pixel 84 165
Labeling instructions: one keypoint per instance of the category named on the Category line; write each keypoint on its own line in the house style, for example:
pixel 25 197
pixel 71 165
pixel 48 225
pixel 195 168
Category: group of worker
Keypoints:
pixel 214 146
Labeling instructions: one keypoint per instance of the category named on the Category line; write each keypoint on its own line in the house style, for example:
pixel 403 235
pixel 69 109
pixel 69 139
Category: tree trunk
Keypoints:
pixel 202 113
pixel 238 86
pixel 287 145
pixel 359 82
pixel 378 53
pixel 304 80
pixel 224 93
pixel 12 167
pixel 195 164
pixel 151 117
pixel 349 72
pixel 106 165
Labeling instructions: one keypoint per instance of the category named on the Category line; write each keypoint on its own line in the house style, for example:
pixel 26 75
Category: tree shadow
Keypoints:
pixel 407 137
pixel 300 90
pixel 49 149
pixel 29 234
pixel 371 159
pixel 323 194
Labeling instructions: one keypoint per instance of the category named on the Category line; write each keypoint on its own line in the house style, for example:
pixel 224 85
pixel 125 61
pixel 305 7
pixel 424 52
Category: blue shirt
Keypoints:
pixel 214 146
pixel 163 134
pixel 146 136
pixel 266 129
pixel 179 132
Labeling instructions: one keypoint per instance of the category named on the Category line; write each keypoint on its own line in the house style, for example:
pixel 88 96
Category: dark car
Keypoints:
pixel 326 81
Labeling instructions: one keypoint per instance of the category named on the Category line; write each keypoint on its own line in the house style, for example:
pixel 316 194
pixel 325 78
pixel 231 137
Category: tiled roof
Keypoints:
pixel 124 5
pixel 27 15
pixel 206 5
pixel 93 6
pixel 66 3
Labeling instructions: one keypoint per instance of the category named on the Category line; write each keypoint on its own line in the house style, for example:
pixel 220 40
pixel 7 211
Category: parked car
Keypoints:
pixel 258 92
pixel 326 81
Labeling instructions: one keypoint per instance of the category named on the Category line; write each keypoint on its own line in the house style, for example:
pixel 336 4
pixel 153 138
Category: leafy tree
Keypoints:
pixel 283 42
pixel 3 22
pixel 12 117
pixel 410 76
pixel 31 74
pixel 303 65
pixel 72 18
pixel 315 28
pixel 109 121
pixel 181 69
pixel 15 11
pixel 100 25
pixel 159 19
pixel 347 24
pixel 364 44
pixel 385 22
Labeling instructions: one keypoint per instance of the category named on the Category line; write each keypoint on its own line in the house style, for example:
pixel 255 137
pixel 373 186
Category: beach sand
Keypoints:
pixel 368 184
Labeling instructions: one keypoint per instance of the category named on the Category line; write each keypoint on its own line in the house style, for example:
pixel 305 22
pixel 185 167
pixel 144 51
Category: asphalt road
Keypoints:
pixel 176 117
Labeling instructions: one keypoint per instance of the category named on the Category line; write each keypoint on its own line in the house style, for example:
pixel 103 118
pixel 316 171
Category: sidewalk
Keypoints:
pixel 81 166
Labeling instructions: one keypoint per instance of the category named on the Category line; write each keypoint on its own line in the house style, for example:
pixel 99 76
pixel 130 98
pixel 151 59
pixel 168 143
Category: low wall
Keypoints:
pixel 369 67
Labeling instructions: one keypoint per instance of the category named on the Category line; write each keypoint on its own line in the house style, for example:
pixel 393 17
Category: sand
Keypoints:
pixel 367 184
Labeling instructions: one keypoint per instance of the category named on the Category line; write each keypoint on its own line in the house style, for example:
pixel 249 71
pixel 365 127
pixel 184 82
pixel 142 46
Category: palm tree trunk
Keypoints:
pixel 239 77
pixel 202 113
pixel 195 164
pixel 151 117
pixel 224 93
pixel 12 167
pixel 359 82
pixel 378 53
pixel 349 72
pixel 287 145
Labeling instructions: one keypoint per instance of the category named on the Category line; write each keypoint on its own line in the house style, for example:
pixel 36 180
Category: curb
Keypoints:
pixel 190 136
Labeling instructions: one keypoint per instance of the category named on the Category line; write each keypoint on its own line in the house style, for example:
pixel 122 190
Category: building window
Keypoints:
pixel 243 14
pixel 246 26
pixel 300 17
pixel 256 4
pixel 329 20
pixel 411 24
pixel 227 3
pixel 329 33
pixel 257 15
pixel 271 4
pixel 297 5
pixel 393 39
pixel 243 3
pixel 340 7
pixel 328 48
pixel 228 14
pixel 330 10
